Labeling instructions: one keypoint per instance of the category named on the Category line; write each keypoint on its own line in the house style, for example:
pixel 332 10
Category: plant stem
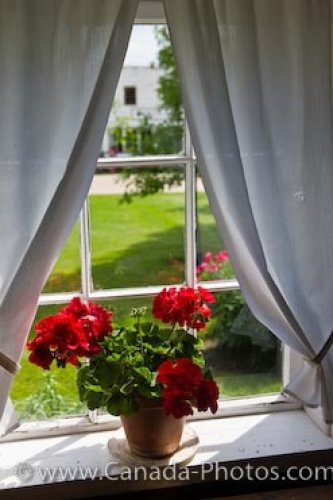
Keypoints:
pixel 140 334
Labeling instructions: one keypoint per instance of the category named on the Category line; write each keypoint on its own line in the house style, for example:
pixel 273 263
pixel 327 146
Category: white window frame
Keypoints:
pixel 151 12
pixel 93 420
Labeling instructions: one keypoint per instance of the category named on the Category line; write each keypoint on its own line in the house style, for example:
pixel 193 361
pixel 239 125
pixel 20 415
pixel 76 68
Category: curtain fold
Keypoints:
pixel 256 79
pixel 60 63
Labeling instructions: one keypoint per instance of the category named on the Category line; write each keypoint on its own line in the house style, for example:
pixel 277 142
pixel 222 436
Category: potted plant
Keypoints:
pixel 152 374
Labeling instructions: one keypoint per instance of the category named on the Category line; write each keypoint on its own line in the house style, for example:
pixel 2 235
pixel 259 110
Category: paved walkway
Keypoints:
pixel 107 184
pixel 115 184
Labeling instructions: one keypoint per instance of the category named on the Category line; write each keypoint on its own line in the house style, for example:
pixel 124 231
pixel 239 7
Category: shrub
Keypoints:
pixel 239 338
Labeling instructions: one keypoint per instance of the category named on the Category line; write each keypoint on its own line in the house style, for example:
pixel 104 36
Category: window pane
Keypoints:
pixel 136 243
pixel 66 276
pixel 246 358
pixel 212 258
pixel 40 394
pixel 147 115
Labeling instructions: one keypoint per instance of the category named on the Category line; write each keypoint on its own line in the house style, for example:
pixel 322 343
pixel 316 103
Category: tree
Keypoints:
pixel 168 86
pixel 162 138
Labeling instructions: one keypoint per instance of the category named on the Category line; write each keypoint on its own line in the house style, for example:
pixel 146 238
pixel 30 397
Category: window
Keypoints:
pixel 130 95
pixel 126 247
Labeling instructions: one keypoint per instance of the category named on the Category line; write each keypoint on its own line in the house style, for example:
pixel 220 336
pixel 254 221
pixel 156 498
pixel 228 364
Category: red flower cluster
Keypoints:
pixel 212 263
pixel 70 334
pixel 185 306
pixel 184 386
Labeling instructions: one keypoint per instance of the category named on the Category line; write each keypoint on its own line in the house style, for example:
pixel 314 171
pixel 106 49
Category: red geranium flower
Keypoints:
pixel 96 318
pixel 206 395
pixel 205 295
pixel 176 403
pixel 70 334
pixel 103 320
pixel 165 306
pixel 186 306
pixel 76 307
pixel 62 337
pixel 60 331
pixel 180 374
pixel 41 356
pixel 184 386
pixel 180 379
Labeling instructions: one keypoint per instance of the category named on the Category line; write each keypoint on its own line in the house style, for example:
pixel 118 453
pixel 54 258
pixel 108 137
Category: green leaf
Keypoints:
pixel 137 359
pixel 148 392
pixel 178 336
pixel 107 373
pixel 116 332
pixel 164 333
pixel 112 359
pixel 94 400
pixel 131 337
pixel 93 387
pixel 120 405
pixel 149 328
pixel 127 388
pixel 83 376
pixel 208 374
pixel 164 352
pixel 199 359
pixel 199 343
pixel 144 372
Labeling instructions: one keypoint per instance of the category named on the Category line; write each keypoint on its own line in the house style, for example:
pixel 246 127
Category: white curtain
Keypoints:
pixel 256 79
pixel 60 61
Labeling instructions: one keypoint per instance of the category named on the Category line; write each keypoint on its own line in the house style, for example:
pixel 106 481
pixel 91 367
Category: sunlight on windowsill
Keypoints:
pixel 221 441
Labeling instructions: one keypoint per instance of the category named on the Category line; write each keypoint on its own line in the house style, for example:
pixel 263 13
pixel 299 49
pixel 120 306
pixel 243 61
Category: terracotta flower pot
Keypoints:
pixel 152 433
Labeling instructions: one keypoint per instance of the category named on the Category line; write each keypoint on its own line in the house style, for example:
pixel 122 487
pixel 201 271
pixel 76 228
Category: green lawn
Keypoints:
pixel 133 244
pixel 247 384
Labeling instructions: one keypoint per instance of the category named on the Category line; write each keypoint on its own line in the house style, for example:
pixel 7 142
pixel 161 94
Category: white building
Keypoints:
pixel 136 94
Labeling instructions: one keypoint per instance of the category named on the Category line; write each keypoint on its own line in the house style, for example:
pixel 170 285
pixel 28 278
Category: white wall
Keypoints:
pixel 145 81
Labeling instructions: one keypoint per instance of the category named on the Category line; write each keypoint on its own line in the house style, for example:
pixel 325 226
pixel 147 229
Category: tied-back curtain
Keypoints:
pixel 256 78
pixel 59 65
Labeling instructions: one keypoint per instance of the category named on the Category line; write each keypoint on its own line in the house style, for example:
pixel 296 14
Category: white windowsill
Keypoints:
pixel 80 424
pixel 223 440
